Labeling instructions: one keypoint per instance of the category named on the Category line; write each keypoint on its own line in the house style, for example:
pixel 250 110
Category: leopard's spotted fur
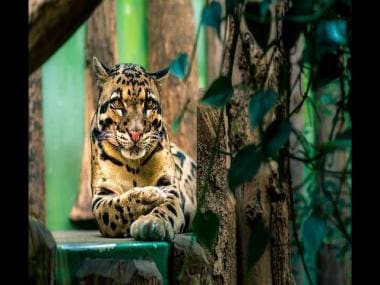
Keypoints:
pixel 142 185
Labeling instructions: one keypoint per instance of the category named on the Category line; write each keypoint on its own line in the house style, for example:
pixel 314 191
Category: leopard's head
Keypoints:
pixel 129 110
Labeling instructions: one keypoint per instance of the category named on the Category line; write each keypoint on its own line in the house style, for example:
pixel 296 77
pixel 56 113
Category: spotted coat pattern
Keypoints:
pixel 142 185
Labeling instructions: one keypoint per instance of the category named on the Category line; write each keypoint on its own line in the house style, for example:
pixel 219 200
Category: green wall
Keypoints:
pixel 201 45
pixel 63 110
pixel 131 28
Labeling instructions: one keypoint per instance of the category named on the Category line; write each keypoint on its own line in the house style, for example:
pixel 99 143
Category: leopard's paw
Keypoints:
pixel 148 195
pixel 150 227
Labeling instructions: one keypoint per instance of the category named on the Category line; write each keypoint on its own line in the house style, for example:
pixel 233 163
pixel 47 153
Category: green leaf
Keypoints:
pixel 260 104
pixel 332 32
pixel 314 232
pixel 219 93
pixel 212 16
pixel 244 166
pixel 258 19
pixel 336 145
pixel 276 135
pixel 327 99
pixel 179 66
pixel 206 227
pixel 257 243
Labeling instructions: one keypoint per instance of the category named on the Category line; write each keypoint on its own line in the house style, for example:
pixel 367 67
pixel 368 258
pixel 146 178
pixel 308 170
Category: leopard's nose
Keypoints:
pixel 135 135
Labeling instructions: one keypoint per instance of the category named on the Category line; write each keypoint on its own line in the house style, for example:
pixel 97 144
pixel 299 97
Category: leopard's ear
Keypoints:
pixel 160 75
pixel 101 71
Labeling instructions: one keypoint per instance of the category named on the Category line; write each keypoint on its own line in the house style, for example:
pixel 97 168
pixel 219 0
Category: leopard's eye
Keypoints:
pixel 118 107
pixel 150 104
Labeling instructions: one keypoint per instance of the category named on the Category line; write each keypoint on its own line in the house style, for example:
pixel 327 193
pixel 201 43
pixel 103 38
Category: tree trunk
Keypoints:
pixel 331 270
pixel 36 181
pixel 165 43
pixel 100 42
pixel 263 199
pixel 51 23
pixel 171 32
pixel 42 252
pixel 190 263
pixel 253 201
pixel 218 198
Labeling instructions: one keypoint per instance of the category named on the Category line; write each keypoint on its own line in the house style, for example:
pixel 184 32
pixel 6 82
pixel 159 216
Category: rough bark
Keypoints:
pixel 218 266
pixel 41 253
pixel 262 199
pixel 281 264
pixel 171 31
pixel 100 42
pixel 51 22
pixel 218 197
pixel 36 181
pixel 253 201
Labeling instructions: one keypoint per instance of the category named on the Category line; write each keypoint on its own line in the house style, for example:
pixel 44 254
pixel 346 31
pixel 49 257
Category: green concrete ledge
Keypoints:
pixel 85 255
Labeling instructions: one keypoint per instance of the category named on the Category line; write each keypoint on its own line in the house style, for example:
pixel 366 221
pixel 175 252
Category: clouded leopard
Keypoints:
pixel 142 185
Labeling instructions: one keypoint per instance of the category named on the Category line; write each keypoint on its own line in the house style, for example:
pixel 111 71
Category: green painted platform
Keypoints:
pixel 82 251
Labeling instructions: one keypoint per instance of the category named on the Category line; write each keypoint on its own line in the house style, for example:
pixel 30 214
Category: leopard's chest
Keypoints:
pixel 125 175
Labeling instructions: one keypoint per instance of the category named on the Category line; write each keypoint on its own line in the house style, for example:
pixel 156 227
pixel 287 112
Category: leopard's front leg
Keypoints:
pixel 163 221
pixel 115 213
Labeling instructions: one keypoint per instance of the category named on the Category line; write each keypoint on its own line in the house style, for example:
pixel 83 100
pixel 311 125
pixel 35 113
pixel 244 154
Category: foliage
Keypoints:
pixel 259 105
pixel 205 227
pixel 276 135
pixel 314 231
pixel 322 202
pixel 257 243
pixel 179 66
pixel 211 16
pixel 219 93
pixel 258 19
pixel 244 166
